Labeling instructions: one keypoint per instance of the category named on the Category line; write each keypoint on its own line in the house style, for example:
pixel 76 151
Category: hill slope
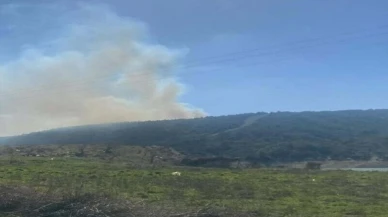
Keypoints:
pixel 262 137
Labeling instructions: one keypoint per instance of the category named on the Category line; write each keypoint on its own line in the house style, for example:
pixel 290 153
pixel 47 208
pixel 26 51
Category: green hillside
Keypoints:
pixel 261 137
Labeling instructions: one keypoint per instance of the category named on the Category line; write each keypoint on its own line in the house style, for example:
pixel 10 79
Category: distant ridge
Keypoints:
pixel 263 137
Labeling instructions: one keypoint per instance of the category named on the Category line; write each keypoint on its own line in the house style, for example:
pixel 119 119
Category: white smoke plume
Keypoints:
pixel 103 69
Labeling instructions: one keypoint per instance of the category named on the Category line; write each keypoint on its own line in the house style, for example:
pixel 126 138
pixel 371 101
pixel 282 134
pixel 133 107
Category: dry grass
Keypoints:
pixel 24 201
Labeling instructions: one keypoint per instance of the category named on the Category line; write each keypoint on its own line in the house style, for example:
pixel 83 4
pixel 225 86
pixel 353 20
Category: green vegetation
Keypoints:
pixel 139 157
pixel 250 192
pixel 259 137
pixel 125 169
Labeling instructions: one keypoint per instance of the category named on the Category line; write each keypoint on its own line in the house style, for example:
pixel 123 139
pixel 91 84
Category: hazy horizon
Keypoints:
pixel 268 112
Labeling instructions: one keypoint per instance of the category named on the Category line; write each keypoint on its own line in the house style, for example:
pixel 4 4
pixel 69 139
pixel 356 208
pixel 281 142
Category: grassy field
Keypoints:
pixel 260 192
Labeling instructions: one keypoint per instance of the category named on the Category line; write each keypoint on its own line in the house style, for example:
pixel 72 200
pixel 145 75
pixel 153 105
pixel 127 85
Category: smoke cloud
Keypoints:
pixel 102 69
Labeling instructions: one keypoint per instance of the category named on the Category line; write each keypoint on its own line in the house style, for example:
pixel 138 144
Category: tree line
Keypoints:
pixel 270 137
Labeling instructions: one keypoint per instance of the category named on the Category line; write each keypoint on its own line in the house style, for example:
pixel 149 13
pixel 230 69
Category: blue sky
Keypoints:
pixel 340 62
pixel 345 75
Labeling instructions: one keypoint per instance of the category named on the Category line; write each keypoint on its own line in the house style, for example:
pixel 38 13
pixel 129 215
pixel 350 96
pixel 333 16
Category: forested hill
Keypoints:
pixel 262 137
